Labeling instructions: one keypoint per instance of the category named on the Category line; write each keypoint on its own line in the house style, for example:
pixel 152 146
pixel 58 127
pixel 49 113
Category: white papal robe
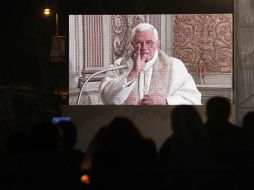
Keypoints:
pixel 163 75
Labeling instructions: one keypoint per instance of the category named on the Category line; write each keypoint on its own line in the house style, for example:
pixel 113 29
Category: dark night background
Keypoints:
pixel 31 87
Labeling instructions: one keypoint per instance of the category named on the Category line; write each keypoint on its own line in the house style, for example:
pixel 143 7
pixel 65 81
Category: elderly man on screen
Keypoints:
pixel 152 77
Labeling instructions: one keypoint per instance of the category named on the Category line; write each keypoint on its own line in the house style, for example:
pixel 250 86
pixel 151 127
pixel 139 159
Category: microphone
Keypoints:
pixel 112 68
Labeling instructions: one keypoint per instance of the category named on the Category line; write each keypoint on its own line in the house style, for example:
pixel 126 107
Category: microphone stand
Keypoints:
pixel 124 66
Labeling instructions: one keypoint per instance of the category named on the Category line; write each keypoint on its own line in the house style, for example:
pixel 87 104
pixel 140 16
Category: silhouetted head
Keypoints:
pixel 17 143
pixel 218 109
pixel 121 136
pixel 95 145
pixel 186 121
pixel 44 135
pixel 97 139
pixel 248 120
pixel 69 132
pixel 123 146
pixel 122 128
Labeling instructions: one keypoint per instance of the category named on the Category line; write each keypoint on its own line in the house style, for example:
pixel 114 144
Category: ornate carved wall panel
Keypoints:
pixel 204 43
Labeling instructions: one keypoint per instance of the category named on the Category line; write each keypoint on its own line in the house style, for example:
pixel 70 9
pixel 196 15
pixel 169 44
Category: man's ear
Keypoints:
pixel 158 43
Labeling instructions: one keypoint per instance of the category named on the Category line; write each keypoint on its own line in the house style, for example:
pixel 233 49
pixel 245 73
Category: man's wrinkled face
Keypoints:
pixel 148 43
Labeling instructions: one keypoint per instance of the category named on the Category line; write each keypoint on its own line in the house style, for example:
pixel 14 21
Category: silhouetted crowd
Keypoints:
pixel 213 155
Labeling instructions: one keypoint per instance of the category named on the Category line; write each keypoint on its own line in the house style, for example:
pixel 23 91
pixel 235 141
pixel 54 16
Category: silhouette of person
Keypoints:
pixel 248 127
pixel 224 135
pixel 43 165
pixel 17 143
pixel 188 152
pixel 72 155
pixel 247 146
pixel 123 158
pixel 94 145
pixel 189 147
pixel 246 153
pixel 7 169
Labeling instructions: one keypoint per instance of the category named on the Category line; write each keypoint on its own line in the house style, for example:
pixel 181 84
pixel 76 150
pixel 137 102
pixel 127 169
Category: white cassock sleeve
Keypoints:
pixel 183 89
pixel 115 89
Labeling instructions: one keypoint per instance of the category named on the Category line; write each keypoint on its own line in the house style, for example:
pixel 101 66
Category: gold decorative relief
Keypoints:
pixel 204 43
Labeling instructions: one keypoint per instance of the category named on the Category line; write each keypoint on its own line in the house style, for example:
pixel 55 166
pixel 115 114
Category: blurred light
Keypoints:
pixel 46 12
pixel 85 179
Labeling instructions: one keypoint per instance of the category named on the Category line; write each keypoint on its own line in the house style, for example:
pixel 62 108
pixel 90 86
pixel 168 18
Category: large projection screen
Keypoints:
pixel 96 41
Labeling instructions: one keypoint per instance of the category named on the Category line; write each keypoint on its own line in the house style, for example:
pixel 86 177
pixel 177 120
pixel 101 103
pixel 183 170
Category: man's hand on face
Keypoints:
pixel 139 63
pixel 151 99
pixel 139 59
